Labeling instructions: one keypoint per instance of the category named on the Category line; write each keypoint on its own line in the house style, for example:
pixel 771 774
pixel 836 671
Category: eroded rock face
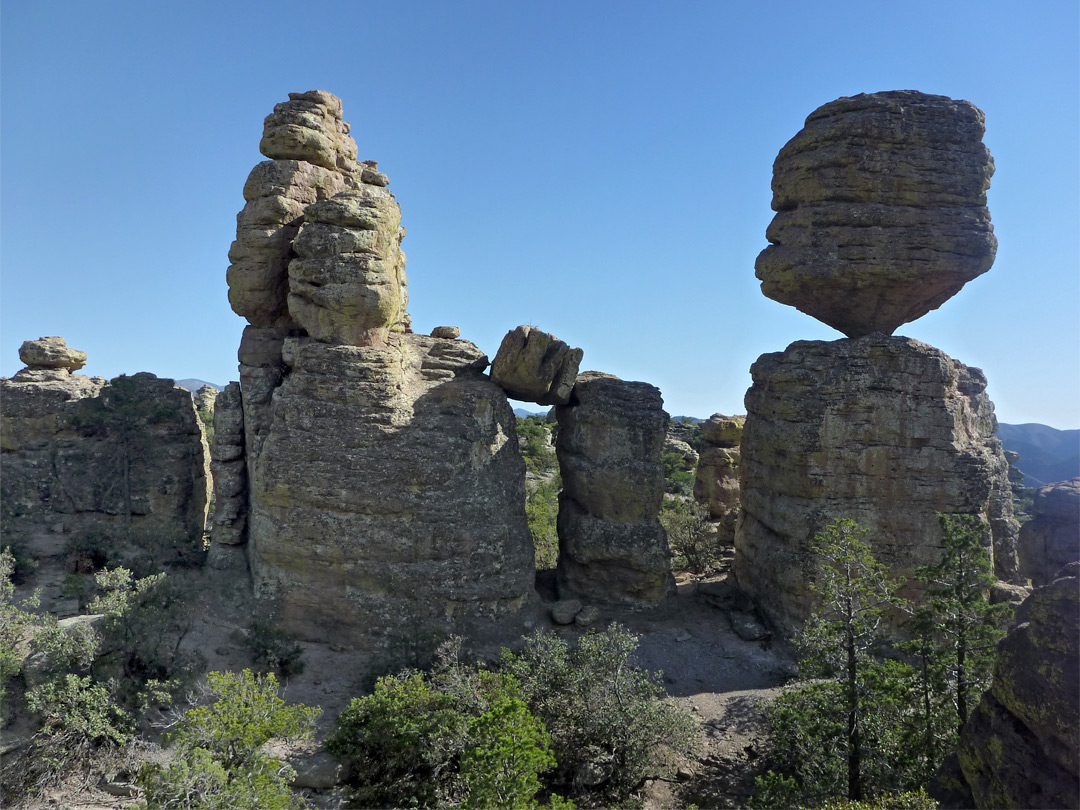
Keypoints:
pixel 313 158
pixel 886 431
pixel 881 210
pixel 536 366
pixel 387 500
pixel 612 547
pixel 1021 745
pixel 94 472
pixel 716 485
pixel 51 352
pixel 347 283
pixel 1051 539
pixel 229 469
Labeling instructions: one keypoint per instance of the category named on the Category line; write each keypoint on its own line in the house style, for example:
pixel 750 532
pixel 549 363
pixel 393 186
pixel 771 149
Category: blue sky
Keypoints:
pixel 598 168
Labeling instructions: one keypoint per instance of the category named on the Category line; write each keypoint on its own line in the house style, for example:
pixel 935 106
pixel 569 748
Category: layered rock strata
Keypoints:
pixel 612 547
pixel 95 473
pixel 1021 745
pixel 881 210
pixel 536 366
pixel 387 502
pixel 883 430
pixel 1051 539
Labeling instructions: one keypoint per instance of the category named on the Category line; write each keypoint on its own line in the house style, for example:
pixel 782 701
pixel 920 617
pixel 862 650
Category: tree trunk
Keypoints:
pixel 854 743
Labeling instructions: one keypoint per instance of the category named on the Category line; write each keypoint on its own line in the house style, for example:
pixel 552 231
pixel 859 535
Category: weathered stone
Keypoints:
pixel 51 352
pixel 388 497
pixel 723 431
pixel 587 616
pixel 1021 745
pixel 446 332
pixel 565 611
pixel 205 398
pixel 612 547
pixel 536 366
pixel 309 127
pixel 747 627
pixel 93 473
pixel 881 210
pixel 229 468
pixel 886 431
pixel 1051 538
pixel 681 448
pixel 347 283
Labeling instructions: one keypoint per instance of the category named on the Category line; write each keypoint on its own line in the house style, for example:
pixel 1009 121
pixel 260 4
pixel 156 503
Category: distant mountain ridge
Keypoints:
pixel 1047 454
pixel 193 385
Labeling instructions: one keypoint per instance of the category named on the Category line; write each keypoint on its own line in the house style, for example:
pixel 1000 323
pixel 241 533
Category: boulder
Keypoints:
pixel 347 283
pixel 1051 538
pixel 446 332
pixel 886 431
pixel 1021 745
pixel 535 366
pixel 881 210
pixel 51 352
pixel 309 127
pixel 612 548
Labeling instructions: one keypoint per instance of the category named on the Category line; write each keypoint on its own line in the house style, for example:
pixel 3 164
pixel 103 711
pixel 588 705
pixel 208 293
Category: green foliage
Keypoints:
pixel 535 442
pixel 692 538
pixel 542 511
pixel 218 759
pixel 609 723
pixel 17 623
pixel 459 736
pixel 678 479
pixel 273 650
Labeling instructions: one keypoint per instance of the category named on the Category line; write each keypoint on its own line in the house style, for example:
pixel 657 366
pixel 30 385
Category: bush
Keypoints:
pixel 693 540
pixel 460 736
pixel 678 479
pixel 609 724
pixel 218 760
pixel 542 511
pixel 273 650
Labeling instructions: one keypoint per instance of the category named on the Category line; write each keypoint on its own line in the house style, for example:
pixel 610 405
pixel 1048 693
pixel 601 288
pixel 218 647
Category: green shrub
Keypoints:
pixel 679 480
pixel 609 724
pixel 273 650
pixel 218 761
pixel 542 511
pixel 693 540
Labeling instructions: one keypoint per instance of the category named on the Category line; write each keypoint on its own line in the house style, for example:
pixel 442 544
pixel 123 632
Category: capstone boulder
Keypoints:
pixel 536 366
pixel 51 352
pixel 881 210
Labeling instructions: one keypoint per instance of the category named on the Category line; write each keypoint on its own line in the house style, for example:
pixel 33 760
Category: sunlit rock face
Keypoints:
pixel 886 431
pixel 881 210
pixel 612 547
pixel 536 366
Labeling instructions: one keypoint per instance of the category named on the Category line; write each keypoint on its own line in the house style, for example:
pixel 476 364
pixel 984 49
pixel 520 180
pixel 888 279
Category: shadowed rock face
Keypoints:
pixel 387 501
pixel 612 547
pixel 881 210
pixel 1021 745
pixel 884 430
pixel 1051 538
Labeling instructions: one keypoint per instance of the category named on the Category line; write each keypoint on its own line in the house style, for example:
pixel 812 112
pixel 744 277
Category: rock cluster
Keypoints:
pixel 884 430
pixel 1021 745
pixel 881 210
pixel 612 547
pixel 94 472
pixel 536 366
pixel 1051 539
pixel 385 492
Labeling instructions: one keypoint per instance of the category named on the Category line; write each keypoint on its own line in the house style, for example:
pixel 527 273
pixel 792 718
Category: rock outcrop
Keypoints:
pixel 612 547
pixel 536 366
pixel 95 473
pixel 1051 539
pixel 385 490
pixel 716 485
pixel 1021 745
pixel 229 469
pixel 881 210
pixel 884 430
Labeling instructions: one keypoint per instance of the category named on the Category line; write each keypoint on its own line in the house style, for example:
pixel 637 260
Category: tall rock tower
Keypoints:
pixel 881 217
pixel 386 496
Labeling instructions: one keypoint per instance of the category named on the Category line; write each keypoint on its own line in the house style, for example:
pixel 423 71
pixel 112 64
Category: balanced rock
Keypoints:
pixel 884 430
pixel 612 548
pixel 347 283
pixel 536 366
pixel 51 352
pixel 314 159
pixel 1021 745
pixel 881 210
pixel 1051 539
pixel 446 332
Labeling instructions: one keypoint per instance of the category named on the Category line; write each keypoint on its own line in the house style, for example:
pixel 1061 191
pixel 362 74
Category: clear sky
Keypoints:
pixel 598 168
